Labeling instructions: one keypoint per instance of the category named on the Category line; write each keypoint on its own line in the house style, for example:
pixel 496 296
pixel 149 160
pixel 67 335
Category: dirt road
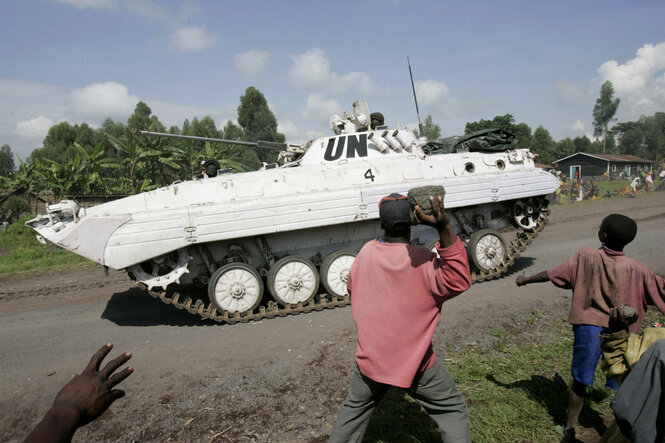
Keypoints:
pixel 274 380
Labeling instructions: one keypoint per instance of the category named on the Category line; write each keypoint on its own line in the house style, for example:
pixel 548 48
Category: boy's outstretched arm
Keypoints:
pixel 540 277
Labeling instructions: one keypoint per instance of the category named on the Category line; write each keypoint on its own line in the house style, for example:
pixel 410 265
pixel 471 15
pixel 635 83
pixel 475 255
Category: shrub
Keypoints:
pixel 13 208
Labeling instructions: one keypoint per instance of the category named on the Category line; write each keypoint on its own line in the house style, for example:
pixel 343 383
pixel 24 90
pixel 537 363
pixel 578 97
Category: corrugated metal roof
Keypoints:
pixel 610 157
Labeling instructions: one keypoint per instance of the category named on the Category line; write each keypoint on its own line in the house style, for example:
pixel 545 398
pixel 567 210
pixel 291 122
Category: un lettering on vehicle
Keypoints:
pixel 354 145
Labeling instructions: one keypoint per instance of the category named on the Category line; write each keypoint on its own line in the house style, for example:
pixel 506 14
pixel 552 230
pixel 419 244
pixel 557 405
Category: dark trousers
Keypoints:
pixel 434 389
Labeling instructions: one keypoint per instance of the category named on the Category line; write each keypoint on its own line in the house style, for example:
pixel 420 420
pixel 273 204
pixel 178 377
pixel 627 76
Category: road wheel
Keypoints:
pixel 487 249
pixel 235 287
pixel 335 270
pixel 293 279
pixel 527 213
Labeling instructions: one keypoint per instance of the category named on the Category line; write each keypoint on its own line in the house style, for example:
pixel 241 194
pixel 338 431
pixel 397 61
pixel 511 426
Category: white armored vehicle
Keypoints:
pixel 286 228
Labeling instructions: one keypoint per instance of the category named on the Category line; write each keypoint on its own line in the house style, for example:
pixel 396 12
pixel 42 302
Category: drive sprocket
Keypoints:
pixel 161 271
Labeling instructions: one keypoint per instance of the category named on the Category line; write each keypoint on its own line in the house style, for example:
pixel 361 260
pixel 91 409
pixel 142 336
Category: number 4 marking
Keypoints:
pixel 369 175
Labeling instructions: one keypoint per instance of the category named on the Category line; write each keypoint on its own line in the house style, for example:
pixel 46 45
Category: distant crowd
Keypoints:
pixel 581 188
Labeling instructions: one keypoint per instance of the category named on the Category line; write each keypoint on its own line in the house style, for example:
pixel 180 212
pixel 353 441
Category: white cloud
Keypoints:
pixel 578 126
pixel 289 129
pixel 101 100
pixel 639 83
pixel 148 9
pixel 431 92
pixel 294 135
pixel 28 110
pixel 311 69
pixel 318 108
pixel 192 39
pixel 34 129
pixel 94 4
pixel 159 12
pixel 636 73
pixel 25 110
pixel 251 63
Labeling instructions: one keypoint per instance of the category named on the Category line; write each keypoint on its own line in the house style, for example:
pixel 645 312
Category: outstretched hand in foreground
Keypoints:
pixel 84 398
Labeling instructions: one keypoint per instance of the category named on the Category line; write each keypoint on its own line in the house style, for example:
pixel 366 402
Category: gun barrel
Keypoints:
pixel 260 144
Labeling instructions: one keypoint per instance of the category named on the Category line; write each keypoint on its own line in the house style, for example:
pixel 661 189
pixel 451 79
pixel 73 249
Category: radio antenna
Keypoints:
pixel 415 99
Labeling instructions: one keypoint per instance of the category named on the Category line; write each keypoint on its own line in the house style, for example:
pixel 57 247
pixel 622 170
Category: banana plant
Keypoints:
pixel 65 178
pixel 95 164
pixel 134 158
pixel 225 161
pixel 27 178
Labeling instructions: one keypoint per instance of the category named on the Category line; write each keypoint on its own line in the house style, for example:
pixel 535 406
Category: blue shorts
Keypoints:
pixel 586 353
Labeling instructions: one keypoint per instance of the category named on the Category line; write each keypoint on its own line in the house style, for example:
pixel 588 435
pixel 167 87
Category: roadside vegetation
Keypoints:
pixel 116 159
pixel 20 252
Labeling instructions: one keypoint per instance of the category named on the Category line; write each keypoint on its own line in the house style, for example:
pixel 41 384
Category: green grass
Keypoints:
pixel 512 388
pixel 617 185
pixel 611 186
pixel 21 252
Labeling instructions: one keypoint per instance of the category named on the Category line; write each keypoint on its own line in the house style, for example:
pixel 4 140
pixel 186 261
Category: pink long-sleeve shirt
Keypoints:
pixel 396 295
pixel 603 278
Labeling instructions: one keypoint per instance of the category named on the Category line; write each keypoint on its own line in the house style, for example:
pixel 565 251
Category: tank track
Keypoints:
pixel 323 301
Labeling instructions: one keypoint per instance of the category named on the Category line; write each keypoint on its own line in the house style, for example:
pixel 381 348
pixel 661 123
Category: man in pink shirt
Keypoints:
pixel 397 291
pixel 600 279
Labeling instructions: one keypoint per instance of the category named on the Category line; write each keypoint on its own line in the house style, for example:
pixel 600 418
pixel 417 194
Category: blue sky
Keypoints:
pixel 86 60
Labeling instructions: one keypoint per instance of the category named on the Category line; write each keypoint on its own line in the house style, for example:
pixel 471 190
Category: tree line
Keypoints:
pixel 642 138
pixel 113 159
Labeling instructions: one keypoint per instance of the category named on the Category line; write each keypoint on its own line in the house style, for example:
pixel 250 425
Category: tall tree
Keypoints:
pixel 564 148
pixel 241 154
pixel 523 133
pixel 7 164
pixel 231 131
pixel 56 143
pixel 505 122
pixel 114 128
pixel 140 119
pixel 582 144
pixel 631 140
pixel 655 138
pixel 643 138
pixel 86 136
pixel 431 130
pixel 543 145
pixel 604 111
pixel 258 122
